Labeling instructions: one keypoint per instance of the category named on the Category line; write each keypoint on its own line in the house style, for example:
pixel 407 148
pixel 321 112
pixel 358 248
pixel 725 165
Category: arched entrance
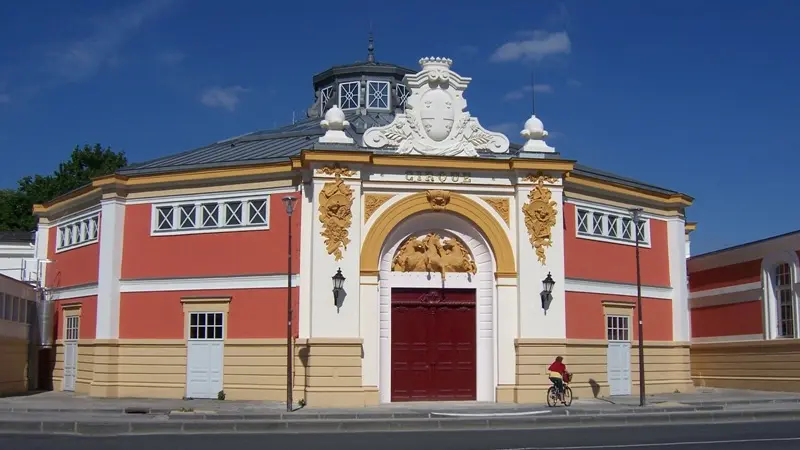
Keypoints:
pixel 440 334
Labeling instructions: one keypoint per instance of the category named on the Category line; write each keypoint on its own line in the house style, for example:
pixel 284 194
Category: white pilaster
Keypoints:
pixel 42 246
pixel 370 330
pixel 507 330
pixel 307 217
pixel 112 222
pixel 534 322
pixel 676 240
pixel 326 319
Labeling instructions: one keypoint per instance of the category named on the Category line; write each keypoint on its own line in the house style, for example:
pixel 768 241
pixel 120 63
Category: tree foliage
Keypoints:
pixel 84 164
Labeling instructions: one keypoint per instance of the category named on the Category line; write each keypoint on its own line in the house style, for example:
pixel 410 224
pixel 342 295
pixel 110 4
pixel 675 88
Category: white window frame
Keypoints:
pixel 771 304
pixel 357 95
pixel 200 205
pixel 72 326
pixel 78 232
pixel 614 327
pixel 218 316
pixel 371 87
pixel 401 98
pixel 325 96
pixel 601 232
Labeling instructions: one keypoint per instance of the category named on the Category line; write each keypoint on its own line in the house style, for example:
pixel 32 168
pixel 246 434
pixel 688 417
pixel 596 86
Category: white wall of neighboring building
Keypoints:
pixel 13 257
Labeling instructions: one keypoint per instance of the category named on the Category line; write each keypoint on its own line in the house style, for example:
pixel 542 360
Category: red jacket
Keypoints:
pixel 558 367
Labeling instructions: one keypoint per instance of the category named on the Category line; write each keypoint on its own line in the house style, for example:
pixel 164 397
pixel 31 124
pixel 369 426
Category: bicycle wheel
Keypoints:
pixel 567 396
pixel 552 396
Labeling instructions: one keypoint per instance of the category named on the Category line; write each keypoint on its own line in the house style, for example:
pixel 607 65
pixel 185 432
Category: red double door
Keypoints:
pixel 433 344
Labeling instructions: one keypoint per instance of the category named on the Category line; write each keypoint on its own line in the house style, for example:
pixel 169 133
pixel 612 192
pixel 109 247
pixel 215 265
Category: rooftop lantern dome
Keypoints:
pixel 360 87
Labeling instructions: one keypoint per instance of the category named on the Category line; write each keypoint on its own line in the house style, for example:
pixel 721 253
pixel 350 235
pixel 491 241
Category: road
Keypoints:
pixel 734 436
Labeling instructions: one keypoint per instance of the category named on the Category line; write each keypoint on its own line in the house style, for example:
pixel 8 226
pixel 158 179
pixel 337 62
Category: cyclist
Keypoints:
pixel 558 372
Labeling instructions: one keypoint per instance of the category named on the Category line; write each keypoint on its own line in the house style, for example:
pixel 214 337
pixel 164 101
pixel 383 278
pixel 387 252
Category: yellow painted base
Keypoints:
pixel 14 366
pixel 760 365
pixel 666 368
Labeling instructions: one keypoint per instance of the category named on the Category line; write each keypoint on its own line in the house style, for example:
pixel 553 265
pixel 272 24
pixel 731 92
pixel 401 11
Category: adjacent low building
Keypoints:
pixel 16 254
pixel 18 336
pixel 425 258
pixel 745 315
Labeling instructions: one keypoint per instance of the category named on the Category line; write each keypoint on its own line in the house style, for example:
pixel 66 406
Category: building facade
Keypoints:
pixel 18 339
pixel 17 253
pixel 171 278
pixel 744 313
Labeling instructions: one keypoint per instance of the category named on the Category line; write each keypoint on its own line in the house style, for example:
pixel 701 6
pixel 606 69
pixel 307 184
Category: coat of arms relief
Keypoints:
pixel 435 122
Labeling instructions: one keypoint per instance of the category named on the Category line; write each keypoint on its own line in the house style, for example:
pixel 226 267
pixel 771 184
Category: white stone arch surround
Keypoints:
pixel 483 283
pixel 770 303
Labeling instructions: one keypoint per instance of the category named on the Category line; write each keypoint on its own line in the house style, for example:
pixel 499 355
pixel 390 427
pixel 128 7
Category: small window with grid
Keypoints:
pixel 618 328
pixel 205 326
pixel 71 329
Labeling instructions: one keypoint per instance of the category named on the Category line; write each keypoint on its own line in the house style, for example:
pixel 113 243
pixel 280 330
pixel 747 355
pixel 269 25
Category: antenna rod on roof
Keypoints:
pixel 371 46
pixel 533 92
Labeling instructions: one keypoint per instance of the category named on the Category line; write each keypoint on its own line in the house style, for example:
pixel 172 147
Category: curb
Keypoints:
pixel 313 425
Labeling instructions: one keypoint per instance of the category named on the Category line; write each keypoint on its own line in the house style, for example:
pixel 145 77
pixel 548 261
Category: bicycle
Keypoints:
pixel 552 393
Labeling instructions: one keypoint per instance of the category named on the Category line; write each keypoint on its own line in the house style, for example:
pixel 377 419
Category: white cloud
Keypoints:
pixel 505 127
pixel 533 46
pixel 172 58
pixel 5 98
pixel 525 90
pixel 82 58
pixel 222 97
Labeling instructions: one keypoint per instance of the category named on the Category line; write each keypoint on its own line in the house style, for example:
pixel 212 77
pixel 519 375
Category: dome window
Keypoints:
pixel 349 94
pixel 378 95
pixel 401 91
pixel 326 93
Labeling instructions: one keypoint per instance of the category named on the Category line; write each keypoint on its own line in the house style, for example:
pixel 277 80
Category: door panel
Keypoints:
pixel 70 365
pixel 433 344
pixel 619 368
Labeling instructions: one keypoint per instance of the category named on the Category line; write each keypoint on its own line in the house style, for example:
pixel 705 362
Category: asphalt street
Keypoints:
pixel 733 436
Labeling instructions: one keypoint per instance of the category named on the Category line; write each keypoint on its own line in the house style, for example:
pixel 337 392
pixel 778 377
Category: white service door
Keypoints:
pixel 205 349
pixel 619 368
pixel 71 331
pixel 70 365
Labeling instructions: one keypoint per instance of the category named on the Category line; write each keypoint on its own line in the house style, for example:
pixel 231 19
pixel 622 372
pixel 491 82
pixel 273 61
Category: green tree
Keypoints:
pixel 84 164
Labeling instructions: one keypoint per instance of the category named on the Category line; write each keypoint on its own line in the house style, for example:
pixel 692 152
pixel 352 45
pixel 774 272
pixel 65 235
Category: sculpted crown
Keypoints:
pixel 435 62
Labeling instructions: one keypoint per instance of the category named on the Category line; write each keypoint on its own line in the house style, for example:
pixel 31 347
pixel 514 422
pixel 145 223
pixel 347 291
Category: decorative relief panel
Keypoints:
pixel 438 199
pixel 372 202
pixel 501 205
pixel 540 214
pixel 433 253
pixel 435 121
pixel 336 210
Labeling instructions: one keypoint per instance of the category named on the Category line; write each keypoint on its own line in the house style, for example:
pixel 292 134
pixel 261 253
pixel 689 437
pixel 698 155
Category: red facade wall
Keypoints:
pixel 87 325
pixel 254 313
pixel 586 320
pixel 71 267
pixel 209 254
pixel 728 320
pixel 741 273
pixel 604 261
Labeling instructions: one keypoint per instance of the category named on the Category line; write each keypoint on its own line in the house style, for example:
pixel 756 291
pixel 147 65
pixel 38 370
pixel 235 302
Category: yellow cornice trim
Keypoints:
pixel 690 226
pixel 608 186
pixel 460 205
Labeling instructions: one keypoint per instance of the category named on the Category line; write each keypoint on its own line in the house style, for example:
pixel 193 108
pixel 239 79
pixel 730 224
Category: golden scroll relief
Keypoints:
pixel 433 253
pixel 540 215
pixel 336 210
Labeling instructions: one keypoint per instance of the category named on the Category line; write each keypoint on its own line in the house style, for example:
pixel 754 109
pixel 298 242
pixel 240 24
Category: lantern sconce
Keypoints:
pixel 547 292
pixel 338 286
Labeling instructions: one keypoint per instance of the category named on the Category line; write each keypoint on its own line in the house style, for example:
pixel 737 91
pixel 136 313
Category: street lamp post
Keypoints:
pixel 636 212
pixel 288 202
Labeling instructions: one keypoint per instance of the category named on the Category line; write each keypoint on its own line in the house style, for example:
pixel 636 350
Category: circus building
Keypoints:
pixel 429 259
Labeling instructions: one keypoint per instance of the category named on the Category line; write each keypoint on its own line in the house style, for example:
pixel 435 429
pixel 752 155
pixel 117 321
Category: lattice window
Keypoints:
pixel 206 326
pixel 618 328
pixel 613 225
pixel 326 94
pixel 80 232
pixel 402 95
pixel 783 292
pixel 210 215
pixel 378 94
pixel 627 229
pixel 583 221
pixel 597 223
pixel 349 95
pixel 610 226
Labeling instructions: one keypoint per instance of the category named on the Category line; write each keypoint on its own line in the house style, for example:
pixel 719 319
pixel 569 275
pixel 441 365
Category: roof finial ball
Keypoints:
pixel 335 123
pixel 535 133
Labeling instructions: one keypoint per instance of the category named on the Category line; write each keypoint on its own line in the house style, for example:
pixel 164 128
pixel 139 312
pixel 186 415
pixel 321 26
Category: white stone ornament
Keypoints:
pixel 434 122
pixel 535 133
pixel 335 123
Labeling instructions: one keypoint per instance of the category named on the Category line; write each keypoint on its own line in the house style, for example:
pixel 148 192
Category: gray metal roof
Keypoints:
pixel 282 143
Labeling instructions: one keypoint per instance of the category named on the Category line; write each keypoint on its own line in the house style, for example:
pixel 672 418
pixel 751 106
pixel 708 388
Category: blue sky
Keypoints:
pixel 700 97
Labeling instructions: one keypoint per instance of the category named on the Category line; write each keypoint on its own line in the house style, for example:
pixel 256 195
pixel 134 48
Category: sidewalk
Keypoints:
pixel 56 412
